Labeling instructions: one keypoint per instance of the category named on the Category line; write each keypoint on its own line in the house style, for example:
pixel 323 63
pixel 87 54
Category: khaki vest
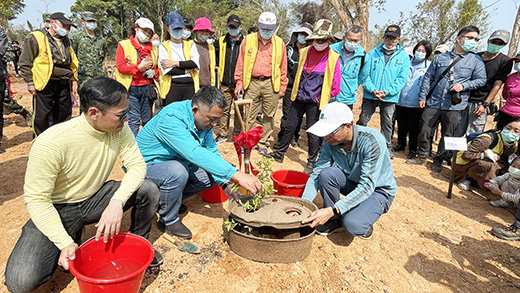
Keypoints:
pixel 43 65
pixel 332 60
pixel 251 49
pixel 166 80
pixel 131 55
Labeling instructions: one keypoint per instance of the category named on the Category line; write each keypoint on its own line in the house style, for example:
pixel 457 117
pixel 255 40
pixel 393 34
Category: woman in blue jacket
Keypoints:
pixel 407 110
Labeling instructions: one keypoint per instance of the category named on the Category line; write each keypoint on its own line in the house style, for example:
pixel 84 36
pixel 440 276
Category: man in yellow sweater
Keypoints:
pixel 66 188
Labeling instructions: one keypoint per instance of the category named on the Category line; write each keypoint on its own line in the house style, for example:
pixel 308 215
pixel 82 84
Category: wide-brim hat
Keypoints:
pixel 62 18
pixel 202 24
pixel 322 30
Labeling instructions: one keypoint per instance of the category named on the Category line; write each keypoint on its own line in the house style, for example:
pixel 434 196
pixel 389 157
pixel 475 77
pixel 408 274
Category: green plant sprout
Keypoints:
pixel 265 169
pixel 231 224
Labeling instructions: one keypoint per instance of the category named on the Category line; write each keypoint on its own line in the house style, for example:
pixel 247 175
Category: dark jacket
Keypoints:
pixel 231 59
pixel 293 56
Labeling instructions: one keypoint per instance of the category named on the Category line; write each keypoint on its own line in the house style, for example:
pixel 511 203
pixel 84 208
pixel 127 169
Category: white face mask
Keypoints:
pixel 156 43
pixel 320 47
pixel 389 49
pixel 515 172
pixel 143 38
pixel 61 31
pixel 91 25
pixel 350 46
pixel 517 66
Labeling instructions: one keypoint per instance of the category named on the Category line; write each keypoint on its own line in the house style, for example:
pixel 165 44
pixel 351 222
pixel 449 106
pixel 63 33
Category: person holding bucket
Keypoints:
pixel 354 161
pixel 183 158
pixel 66 188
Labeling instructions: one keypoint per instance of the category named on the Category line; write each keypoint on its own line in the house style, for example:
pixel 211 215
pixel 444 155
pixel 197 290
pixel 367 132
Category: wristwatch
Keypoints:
pixel 485 104
pixel 225 185
pixel 335 210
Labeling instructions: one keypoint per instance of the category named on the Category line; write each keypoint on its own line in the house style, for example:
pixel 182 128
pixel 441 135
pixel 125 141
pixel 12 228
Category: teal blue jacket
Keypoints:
pixel 349 74
pixel 388 77
pixel 171 135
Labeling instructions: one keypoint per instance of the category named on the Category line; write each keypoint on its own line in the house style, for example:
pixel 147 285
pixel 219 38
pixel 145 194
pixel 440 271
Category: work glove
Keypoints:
pixel 149 73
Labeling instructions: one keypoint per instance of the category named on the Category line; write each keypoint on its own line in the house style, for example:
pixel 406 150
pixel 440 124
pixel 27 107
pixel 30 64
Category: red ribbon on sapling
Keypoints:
pixel 247 141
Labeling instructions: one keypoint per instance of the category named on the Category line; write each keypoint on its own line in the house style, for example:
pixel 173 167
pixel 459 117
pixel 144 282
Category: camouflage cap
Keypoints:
pixel 88 16
pixel 322 30
pixel 46 16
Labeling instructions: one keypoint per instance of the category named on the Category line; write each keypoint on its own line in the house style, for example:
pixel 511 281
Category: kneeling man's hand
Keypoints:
pixel 67 253
pixel 319 217
pixel 110 221
pixel 248 181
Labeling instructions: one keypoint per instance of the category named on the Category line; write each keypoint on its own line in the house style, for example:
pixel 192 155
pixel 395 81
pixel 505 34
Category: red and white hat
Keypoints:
pixel 145 23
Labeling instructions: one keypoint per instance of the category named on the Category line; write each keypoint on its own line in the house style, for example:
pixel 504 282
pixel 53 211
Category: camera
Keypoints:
pixel 456 99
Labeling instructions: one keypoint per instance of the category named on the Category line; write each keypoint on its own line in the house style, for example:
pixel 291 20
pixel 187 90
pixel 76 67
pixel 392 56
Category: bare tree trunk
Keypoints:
pixel 344 9
pixel 515 36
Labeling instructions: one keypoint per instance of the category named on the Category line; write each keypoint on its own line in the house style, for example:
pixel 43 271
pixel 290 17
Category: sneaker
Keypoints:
pixel 411 155
pixel 416 161
pixel 510 233
pixel 501 203
pixel 176 229
pixel 399 148
pixel 294 143
pixel 183 209
pixel 221 138
pixel 368 234
pixel 308 169
pixel 464 185
pixel 274 156
pixel 330 227
pixel 157 259
pixel 437 165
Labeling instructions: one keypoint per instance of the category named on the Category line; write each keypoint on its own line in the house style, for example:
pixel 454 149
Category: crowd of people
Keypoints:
pixel 159 113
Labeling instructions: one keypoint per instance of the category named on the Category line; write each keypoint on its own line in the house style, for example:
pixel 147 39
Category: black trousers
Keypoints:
pixel 180 90
pixel 294 119
pixel 3 83
pixel 53 102
pixel 408 126
pixel 285 110
pixel 449 120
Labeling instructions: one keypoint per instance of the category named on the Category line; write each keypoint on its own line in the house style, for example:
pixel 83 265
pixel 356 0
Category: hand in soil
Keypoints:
pixel 319 217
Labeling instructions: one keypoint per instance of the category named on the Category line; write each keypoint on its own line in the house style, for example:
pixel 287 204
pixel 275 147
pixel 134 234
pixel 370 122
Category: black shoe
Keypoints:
pixel 330 227
pixel 183 209
pixel 437 165
pixel 399 148
pixel 416 161
pixel 2 150
pixel 176 229
pixel 221 138
pixel 368 234
pixel 411 155
pixel 294 143
pixel 157 259
pixel 308 169
pixel 274 156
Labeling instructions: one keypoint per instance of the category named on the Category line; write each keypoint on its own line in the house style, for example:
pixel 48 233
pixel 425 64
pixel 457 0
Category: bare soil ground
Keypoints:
pixel 426 242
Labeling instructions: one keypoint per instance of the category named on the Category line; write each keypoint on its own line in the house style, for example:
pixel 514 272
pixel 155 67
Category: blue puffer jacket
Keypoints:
pixel 171 135
pixel 410 93
pixel 388 77
pixel 349 74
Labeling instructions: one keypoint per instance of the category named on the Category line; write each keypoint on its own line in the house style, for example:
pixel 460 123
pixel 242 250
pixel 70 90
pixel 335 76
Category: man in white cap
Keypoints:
pixel 354 161
pixel 261 72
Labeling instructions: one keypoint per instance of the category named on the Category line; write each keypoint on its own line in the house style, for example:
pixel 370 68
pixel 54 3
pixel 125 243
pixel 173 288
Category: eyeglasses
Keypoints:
pixel 471 38
pixel 120 116
pixel 337 129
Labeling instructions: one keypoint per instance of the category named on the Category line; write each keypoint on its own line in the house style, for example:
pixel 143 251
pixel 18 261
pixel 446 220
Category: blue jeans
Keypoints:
pixel 176 180
pixel 140 107
pixel 386 113
pixel 358 220
pixel 35 258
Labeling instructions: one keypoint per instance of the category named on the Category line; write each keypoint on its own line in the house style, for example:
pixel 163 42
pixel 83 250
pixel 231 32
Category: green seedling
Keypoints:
pixel 265 169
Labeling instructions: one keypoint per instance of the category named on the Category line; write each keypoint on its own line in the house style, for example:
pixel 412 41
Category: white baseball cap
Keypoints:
pixel 267 20
pixel 145 23
pixel 332 116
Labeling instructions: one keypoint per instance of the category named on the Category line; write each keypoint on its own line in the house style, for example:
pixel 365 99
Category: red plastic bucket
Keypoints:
pixel 214 194
pixel 115 266
pixel 289 183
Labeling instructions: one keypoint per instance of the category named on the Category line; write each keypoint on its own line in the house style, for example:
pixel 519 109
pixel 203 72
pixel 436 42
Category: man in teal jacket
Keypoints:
pixel 352 59
pixel 182 157
pixel 383 76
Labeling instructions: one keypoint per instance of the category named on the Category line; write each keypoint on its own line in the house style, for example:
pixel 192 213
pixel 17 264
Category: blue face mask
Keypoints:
pixel 508 136
pixel 61 31
pixel 419 56
pixel 493 49
pixel 469 45
pixel 301 39
pixel 176 33
pixel 91 25
pixel 233 31
pixel 266 34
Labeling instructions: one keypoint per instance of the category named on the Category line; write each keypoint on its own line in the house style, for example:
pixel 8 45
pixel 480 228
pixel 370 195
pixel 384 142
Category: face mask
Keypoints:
pixel 320 47
pixel 156 43
pixel 469 45
pixel 202 38
pixel 419 56
pixel 515 172
pixel 389 49
pixel 509 136
pixel 210 41
pixel 233 31
pixel 91 25
pixel 61 31
pixel 266 34
pixel 493 49
pixel 350 46
pixel 143 38
pixel 517 66
pixel 301 39
pixel 177 34
pixel 186 34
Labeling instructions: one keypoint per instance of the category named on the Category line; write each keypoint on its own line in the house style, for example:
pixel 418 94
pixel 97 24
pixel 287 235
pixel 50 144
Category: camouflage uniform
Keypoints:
pixel 91 54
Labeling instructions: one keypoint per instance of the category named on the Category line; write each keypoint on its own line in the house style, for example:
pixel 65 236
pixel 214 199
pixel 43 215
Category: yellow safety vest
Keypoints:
pixel 498 149
pixel 131 56
pixel 166 80
pixel 43 65
pixel 222 59
pixel 251 49
pixel 332 60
